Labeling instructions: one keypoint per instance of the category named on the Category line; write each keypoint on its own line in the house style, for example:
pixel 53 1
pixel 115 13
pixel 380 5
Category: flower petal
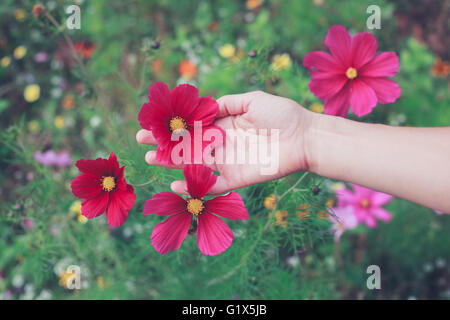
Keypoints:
pixel 86 186
pixel 339 41
pixel 328 87
pixel 229 206
pixel 338 104
pixel 322 61
pixel 213 234
pixel 199 179
pixel 362 99
pixel 381 214
pixel 184 100
pixel 364 47
pixel 159 104
pixel 98 167
pixel 387 91
pixel 379 199
pixel 120 202
pixel 165 204
pixel 384 64
pixel 169 234
pixel 205 111
pixel 91 208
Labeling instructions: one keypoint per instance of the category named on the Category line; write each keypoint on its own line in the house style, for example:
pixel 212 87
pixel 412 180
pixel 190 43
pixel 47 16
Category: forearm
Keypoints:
pixel 410 163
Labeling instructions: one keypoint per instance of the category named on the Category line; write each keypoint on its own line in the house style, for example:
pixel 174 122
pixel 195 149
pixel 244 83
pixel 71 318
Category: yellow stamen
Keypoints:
pixel 364 203
pixel 177 125
pixel 195 206
pixel 351 73
pixel 108 183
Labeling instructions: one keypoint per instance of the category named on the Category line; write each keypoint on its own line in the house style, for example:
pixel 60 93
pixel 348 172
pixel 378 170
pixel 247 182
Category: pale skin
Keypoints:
pixel 409 163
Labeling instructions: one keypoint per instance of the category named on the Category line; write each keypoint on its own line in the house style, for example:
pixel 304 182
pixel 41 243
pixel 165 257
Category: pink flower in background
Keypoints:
pixel 353 75
pixel 366 203
pixel 342 219
pixel 213 234
pixel 51 158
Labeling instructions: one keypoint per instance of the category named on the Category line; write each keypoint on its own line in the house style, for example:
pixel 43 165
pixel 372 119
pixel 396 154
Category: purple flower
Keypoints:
pixel 50 157
pixel 41 57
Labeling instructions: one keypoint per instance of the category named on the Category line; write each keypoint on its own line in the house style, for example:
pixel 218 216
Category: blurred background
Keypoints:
pixel 70 94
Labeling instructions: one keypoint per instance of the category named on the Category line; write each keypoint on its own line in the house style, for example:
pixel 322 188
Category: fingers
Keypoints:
pixel 234 104
pixel 220 187
pixel 145 137
pixel 150 158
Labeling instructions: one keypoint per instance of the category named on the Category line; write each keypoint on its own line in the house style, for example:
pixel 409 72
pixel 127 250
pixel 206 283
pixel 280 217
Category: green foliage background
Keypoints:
pixel 265 260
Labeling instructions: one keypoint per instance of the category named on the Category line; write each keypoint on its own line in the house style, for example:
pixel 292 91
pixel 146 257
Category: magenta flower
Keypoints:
pixel 366 203
pixel 342 219
pixel 213 234
pixel 353 75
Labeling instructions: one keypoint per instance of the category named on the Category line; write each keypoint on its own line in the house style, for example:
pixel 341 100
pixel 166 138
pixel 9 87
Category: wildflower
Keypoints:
pixel 20 15
pixel 28 223
pixel 213 234
pixel 31 93
pixel 68 102
pixel 5 61
pixel 103 188
pixel 85 49
pixel 76 207
pixel 440 68
pixel 157 66
pixel 59 122
pixel 366 204
pixel 155 44
pixel 329 203
pixel 315 190
pixel 227 51
pixel 82 219
pixel 304 212
pixel 187 69
pixel 342 219
pixel 19 52
pixel 34 126
pixel 252 53
pixel 353 75
pixel 174 113
pixel 253 4
pixel 323 214
pixel 316 107
pixel 270 202
pixel 281 218
pixel 281 62
pixel 66 278
pixel 38 11
pixel 41 57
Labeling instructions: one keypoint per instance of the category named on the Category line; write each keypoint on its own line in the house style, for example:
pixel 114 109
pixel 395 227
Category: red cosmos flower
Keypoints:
pixel 104 189
pixel 213 234
pixel 174 113
pixel 353 75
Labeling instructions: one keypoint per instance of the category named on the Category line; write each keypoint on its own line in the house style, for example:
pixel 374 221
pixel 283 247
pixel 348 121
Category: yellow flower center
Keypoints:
pixel 108 183
pixel 351 73
pixel 177 125
pixel 364 203
pixel 195 206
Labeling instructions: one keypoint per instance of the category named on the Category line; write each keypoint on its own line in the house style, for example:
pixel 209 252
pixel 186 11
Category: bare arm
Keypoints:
pixel 410 163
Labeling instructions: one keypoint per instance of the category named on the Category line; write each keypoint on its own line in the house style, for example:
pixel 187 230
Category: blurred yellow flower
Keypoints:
pixel 227 51
pixel 281 62
pixel 59 122
pixel 65 279
pixel 281 217
pixel 5 61
pixel 32 92
pixel 34 126
pixel 82 219
pixel 20 15
pixel 101 282
pixel 253 4
pixel 337 186
pixel 329 203
pixel 316 107
pixel 76 207
pixel 270 202
pixel 19 52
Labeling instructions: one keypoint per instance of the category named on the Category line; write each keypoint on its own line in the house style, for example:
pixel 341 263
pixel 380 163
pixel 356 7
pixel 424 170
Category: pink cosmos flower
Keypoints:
pixel 342 219
pixel 213 234
pixel 353 75
pixel 51 158
pixel 176 113
pixel 366 203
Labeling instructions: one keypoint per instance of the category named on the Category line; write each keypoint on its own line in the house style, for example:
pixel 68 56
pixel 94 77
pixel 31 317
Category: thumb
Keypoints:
pixel 234 104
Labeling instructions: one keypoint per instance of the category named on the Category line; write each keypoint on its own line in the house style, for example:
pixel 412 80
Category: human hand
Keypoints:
pixel 279 123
